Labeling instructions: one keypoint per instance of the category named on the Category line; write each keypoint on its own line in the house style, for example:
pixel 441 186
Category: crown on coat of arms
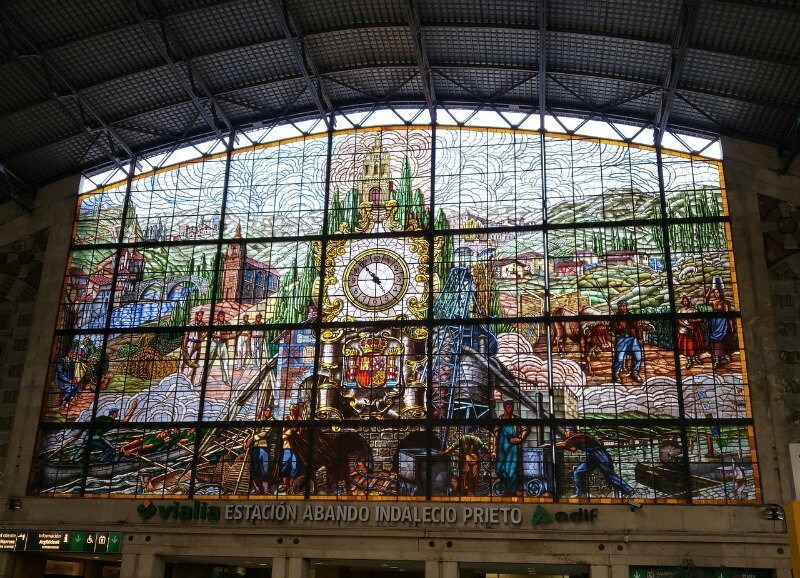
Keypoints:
pixel 373 345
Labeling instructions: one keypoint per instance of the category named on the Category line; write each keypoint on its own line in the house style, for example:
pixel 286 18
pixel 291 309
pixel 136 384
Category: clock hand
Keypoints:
pixel 375 278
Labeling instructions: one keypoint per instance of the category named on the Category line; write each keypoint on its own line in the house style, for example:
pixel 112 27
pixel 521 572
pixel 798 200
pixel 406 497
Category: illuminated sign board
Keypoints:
pixel 700 572
pixel 72 541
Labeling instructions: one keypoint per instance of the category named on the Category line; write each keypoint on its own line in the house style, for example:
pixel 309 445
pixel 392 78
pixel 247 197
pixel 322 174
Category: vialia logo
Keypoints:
pixel 176 511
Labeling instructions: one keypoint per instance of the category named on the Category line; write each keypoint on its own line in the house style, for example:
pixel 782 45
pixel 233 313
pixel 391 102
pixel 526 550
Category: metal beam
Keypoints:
pixel 788 10
pixel 56 83
pixel 790 147
pixel 491 101
pixel 677 58
pixel 422 57
pixel 542 62
pixel 168 42
pixel 9 189
pixel 722 129
pixel 303 64
pixel 558 31
pixel 600 112
pixel 442 70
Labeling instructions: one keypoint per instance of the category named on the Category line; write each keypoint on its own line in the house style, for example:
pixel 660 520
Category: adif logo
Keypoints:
pixel 540 516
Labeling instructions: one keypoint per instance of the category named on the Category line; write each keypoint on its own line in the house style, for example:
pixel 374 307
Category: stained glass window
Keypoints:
pixel 404 312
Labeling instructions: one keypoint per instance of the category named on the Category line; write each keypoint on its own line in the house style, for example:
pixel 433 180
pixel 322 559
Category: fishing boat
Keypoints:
pixel 669 478
pixel 50 474
pixel 232 474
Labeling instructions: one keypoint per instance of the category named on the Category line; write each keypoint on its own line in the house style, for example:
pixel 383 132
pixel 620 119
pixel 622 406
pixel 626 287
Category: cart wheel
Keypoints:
pixel 534 488
pixel 498 488
pixel 299 486
pixel 182 489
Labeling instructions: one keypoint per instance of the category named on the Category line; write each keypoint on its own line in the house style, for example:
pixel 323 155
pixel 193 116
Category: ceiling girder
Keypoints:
pixel 166 44
pixel 790 147
pixel 441 70
pixel 50 75
pixel 786 9
pixel 601 112
pixel 314 84
pixel 217 94
pixel 378 100
pixel 11 185
pixel 721 127
pixel 491 101
pixel 330 78
pixel 680 46
pixel 415 28
pixel 542 62
pixel 309 62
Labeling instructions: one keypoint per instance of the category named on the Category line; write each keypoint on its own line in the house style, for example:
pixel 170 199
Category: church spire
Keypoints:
pixel 376 184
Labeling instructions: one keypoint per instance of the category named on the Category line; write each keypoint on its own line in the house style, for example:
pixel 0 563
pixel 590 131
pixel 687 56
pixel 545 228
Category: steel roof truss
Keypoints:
pixel 688 18
pixel 492 100
pixel 600 112
pixel 166 44
pixel 415 28
pixel 50 75
pixel 10 184
pixel 791 146
pixel 151 131
pixel 302 62
pixel 542 62
pixel 380 100
pixel 721 127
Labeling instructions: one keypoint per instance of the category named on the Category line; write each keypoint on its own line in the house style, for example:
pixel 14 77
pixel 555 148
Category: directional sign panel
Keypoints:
pixel 48 541
pixel 72 541
pixel 12 540
pixel 700 572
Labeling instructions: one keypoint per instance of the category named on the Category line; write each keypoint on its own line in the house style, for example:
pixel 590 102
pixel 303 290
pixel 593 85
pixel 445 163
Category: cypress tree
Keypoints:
pixel 444 261
pixel 351 207
pixel 419 209
pixel 403 194
pixel 335 216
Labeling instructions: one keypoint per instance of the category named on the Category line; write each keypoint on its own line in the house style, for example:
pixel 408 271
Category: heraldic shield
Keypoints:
pixel 373 360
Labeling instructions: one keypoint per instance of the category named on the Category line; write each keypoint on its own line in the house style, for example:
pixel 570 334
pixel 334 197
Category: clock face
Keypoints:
pixel 376 279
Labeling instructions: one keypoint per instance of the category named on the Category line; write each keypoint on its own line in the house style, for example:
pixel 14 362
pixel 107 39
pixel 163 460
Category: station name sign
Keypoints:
pixel 429 514
pixel 294 512
pixel 73 541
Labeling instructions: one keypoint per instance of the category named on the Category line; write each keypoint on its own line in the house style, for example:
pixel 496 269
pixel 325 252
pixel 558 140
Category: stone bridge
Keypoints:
pixel 145 289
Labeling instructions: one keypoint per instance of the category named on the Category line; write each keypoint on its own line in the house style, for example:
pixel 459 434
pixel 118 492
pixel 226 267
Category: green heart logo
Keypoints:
pixel 146 510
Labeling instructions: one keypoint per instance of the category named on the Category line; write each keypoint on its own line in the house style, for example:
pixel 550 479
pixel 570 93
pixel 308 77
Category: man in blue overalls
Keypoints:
pixel 596 458
pixel 627 341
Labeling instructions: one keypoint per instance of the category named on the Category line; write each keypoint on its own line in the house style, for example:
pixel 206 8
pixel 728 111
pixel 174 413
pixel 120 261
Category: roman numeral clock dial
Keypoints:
pixel 376 279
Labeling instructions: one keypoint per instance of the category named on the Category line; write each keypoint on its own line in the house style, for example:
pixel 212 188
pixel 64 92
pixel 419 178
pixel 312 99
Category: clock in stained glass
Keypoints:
pixel 376 279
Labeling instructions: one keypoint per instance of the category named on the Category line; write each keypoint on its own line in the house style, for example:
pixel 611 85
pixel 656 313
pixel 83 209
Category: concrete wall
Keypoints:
pixel 753 170
pixel 54 210
pixel 618 536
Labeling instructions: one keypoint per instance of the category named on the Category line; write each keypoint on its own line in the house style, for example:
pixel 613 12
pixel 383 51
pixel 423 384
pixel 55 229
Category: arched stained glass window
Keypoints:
pixel 451 312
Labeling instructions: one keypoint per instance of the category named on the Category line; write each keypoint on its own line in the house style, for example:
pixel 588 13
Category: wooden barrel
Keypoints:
pixel 328 401
pixel 413 400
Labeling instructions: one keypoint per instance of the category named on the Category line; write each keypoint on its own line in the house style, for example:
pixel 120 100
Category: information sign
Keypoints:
pixel 700 572
pixel 71 541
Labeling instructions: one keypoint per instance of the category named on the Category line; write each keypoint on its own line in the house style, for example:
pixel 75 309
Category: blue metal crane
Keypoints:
pixel 456 301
